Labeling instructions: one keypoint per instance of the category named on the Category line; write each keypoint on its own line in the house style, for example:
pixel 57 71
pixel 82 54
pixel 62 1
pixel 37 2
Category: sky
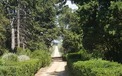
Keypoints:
pixel 73 6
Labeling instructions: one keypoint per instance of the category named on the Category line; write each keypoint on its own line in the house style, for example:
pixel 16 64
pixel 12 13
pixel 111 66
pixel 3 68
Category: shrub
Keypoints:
pixel 9 57
pixel 20 51
pixel 96 68
pixel 64 57
pixel 23 58
pixel 3 50
pixel 85 55
pixel 43 56
pixel 74 56
pixel 71 58
pixel 26 68
pixel 81 55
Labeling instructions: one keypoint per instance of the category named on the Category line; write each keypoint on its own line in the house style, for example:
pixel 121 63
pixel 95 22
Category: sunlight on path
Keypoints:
pixel 56 52
pixel 57 68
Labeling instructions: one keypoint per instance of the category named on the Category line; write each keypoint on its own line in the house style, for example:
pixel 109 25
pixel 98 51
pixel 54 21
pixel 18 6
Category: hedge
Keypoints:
pixel 95 67
pixel 43 56
pixel 81 55
pixel 26 68
pixel 74 57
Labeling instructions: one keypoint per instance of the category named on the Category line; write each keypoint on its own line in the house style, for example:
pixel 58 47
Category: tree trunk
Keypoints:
pixel 18 24
pixel 12 35
pixel 23 44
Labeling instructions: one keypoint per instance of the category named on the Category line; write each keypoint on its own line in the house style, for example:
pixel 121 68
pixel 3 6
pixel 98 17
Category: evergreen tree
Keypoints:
pixel 101 27
pixel 3 29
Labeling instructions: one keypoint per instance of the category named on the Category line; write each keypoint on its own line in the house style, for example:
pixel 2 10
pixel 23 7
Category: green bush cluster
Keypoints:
pixel 43 56
pixel 26 68
pixel 71 58
pixel 23 58
pixel 83 64
pixel 20 51
pixel 81 55
pixel 95 67
pixel 64 57
pixel 9 57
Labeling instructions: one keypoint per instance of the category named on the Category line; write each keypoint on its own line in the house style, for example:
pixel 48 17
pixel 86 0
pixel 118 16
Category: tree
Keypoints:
pixel 3 29
pixel 34 21
pixel 72 36
pixel 101 27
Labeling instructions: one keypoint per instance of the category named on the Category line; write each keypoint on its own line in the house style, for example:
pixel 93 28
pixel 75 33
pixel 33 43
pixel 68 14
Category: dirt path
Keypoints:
pixel 57 68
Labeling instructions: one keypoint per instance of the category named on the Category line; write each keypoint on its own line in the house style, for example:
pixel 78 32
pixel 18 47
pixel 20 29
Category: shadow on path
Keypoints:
pixel 57 68
pixel 61 73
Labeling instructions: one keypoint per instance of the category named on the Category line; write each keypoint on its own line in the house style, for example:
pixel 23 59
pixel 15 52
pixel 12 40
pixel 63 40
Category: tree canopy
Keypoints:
pixel 33 24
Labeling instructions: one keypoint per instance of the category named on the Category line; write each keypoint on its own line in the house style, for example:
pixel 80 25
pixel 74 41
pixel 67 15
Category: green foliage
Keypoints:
pixel 82 55
pixel 23 58
pixel 82 1
pixel 95 67
pixel 3 24
pixel 65 17
pixel 64 57
pixel 101 23
pixel 43 56
pixel 72 42
pixel 9 66
pixel 3 50
pixel 37 23
pixel 9 57
pixel 88 23
pixel 27 68
pixel 69 30
pixel 97 54
pixel 21 51
pixel 37 46
pixel 43 24
pixel 85 55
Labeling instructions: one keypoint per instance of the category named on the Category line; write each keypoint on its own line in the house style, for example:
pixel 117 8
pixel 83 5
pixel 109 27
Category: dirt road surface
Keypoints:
pixel 57 68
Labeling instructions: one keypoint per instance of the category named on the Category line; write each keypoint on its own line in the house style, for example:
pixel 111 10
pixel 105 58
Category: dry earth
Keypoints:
pixel 57 68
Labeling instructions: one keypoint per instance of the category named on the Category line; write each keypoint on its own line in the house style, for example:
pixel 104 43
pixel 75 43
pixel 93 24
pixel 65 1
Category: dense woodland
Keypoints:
pixel 27 28
pixel 27 24
pixel 94 38
pixel 97 28
pixel 92 31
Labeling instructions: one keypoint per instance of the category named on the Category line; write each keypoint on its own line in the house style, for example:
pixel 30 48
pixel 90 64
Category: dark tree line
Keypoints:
pixel 27 24
pixel 99 24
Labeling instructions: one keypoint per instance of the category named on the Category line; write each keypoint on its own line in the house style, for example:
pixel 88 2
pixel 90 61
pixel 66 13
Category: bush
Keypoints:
pixel 23 58
pixel 64 57
pixel 26 68
pixel 43 56
pixel 3 50
pixel 74 56
pixel 20 51
pixel 81 55
pixel 96 68
pixel 9 57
